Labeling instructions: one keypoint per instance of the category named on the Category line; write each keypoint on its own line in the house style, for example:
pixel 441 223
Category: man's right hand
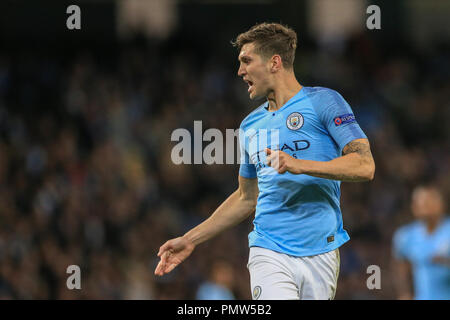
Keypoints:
pixel 172 253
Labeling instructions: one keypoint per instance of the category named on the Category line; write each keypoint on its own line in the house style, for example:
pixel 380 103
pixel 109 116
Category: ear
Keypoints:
pixel 275 63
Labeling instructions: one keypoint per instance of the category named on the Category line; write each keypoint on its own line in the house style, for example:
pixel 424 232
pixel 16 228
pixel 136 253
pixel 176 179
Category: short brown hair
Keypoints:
pixel 270 39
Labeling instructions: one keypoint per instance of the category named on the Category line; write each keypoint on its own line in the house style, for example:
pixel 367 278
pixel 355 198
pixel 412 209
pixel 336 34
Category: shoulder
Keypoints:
pixel 402 239
pixel 323 93
pixel 326 99
pixel 256 113
pixel 447 222
pixel 407 230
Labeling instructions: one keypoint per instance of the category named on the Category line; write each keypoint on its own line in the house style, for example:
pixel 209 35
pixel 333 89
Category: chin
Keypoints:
pixel 254 96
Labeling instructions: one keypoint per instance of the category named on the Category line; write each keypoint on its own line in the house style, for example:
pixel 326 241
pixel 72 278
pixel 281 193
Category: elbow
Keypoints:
pixel 365 172
pixel 252 204
pixel 248 200
pixel 370 172
pixel 370 176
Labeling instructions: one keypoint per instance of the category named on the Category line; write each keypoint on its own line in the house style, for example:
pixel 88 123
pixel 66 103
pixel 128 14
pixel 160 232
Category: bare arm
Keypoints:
pixel 402 279
pixel 356 163
pixel 442 260
pixel 239 206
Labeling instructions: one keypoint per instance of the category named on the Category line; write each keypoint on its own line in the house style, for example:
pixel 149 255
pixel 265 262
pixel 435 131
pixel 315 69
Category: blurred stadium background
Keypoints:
pixel 86 118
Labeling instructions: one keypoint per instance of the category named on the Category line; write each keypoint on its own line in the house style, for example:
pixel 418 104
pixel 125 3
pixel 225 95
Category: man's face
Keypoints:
pixel 255 71
pixel 426 204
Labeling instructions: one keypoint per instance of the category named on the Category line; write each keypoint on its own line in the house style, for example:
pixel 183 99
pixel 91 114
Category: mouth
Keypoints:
pixel 250 85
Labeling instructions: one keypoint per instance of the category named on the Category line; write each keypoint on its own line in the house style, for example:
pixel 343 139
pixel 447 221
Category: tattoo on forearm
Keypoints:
pixel 360 148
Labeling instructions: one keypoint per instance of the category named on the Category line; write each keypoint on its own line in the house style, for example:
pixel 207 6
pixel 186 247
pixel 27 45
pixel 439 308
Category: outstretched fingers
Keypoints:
pixel 171 267
pixel 163 253
pixel 162 268
pixel 159 268
pixel 172 253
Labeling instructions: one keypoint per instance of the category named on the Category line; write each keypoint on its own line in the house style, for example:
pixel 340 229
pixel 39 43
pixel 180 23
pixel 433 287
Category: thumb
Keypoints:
pixel 268 151
pixel 166 246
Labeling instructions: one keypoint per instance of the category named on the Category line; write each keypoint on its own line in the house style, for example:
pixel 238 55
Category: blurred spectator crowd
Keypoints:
pixel 86 176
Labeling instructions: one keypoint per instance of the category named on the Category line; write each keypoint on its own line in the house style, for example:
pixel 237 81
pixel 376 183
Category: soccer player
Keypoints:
pixel 423 249
pixel 292 183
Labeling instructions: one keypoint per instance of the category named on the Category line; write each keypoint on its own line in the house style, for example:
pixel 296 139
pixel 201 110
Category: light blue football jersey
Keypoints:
pixel 298 215
pixel 413 243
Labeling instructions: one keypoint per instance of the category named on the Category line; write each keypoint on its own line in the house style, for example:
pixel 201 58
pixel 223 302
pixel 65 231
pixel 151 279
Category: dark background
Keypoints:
pixel 86 117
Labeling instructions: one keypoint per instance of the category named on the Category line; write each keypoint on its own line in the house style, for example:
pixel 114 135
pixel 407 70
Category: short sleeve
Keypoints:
pixel 338 118
pixel 247 168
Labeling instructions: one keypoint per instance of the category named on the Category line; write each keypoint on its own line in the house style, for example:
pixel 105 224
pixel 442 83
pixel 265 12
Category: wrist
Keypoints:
pixel 296 167
pixel 191 238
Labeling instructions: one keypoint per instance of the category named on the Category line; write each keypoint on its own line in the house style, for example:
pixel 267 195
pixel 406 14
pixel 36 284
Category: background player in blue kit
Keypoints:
pixel 422 249
pixel 290 179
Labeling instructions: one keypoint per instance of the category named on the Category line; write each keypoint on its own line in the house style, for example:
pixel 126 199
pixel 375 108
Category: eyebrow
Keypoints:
pixel 244 57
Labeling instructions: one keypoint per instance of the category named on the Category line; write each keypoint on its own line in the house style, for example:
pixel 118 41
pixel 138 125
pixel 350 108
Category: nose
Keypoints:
pixel 241 71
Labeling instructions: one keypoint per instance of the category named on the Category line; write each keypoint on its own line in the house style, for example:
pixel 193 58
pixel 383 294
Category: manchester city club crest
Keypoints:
pixel 294 121
pixel 256 292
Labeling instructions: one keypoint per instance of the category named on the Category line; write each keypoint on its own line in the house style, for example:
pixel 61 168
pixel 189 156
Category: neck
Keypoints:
pixel 284 89
pixel 432 224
